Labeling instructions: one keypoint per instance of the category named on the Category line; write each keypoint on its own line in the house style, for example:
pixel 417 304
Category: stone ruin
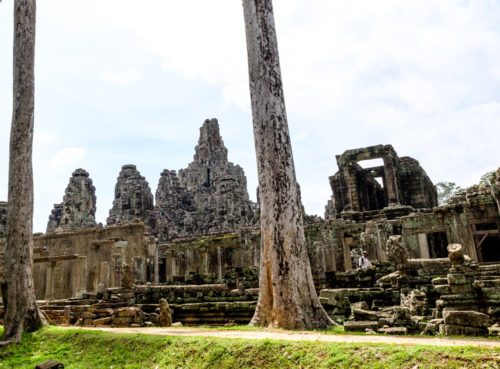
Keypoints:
pixel 133 198
pixel 404 184
pixel 77 210
pixel 208 196
pixel 436 269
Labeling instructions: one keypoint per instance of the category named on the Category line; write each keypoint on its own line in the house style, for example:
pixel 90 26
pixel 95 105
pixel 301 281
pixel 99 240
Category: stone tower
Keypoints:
pixel 133 198
pixel 210 195
pixel 78 207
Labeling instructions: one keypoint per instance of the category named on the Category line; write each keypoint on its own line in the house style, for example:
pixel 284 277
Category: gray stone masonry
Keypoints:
pixel 209 196
pixel 133 198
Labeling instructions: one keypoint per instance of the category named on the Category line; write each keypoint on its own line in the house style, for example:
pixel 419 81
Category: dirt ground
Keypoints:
pixel 306 336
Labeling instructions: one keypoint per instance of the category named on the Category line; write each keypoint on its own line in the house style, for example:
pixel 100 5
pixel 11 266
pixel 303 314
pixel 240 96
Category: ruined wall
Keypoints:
pixel 210 195
pixel 416 188
pixel 74 262
pixel 78 208
pixel 355 188
pixel 133 198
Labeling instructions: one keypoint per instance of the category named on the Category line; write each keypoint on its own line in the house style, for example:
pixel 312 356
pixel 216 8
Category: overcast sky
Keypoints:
pixel 121 82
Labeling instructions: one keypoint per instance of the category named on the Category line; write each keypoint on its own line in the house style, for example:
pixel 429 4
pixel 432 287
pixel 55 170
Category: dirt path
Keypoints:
pixel 306 336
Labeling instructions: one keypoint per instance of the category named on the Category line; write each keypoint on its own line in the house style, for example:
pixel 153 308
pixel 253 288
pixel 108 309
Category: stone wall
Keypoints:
pixel 356 188
pixel 72 263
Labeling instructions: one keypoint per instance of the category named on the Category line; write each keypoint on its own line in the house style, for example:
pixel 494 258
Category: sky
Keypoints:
pixel 127 82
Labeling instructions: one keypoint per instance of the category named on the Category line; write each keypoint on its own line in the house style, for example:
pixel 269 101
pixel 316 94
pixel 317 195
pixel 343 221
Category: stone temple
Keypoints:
pixel 436 269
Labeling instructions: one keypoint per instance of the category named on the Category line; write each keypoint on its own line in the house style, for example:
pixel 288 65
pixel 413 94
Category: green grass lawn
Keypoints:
pixel 93 349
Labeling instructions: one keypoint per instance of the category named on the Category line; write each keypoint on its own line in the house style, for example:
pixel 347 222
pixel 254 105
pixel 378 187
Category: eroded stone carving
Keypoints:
pixel 3 218
pixel 396 251
pixel 133 198
pixel 210 195
pixel 165 317
pixel 78 206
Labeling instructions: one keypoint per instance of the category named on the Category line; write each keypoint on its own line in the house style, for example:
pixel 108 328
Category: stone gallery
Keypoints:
pixel 190 254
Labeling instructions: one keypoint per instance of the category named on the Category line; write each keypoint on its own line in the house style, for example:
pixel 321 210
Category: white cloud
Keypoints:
pixel 67 158
pixel 121 78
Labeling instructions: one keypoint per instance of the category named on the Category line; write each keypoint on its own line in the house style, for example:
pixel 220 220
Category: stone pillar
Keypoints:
pixel 203 267
pixel 49 283
pixel 390 179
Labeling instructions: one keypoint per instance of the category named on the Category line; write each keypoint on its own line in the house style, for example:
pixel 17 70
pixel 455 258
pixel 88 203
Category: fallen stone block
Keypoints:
pixel 103 321
pixel 466 318
pixel 458 330
pixel 360 326
pixel 394 330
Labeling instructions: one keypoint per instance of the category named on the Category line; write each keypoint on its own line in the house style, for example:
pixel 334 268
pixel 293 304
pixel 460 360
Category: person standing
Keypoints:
pixel 364 261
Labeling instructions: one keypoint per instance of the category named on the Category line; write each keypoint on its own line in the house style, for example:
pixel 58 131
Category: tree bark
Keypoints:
pixel 287 297
pixel 21 310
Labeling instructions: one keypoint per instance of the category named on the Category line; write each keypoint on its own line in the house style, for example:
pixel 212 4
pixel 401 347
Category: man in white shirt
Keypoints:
pixel 364 261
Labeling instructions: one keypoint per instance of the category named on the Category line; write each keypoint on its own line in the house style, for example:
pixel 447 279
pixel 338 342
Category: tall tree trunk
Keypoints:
pixel 21 310
pixel 287 297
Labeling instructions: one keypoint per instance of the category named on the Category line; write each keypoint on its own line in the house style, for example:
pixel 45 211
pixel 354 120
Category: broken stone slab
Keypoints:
pixel 86 315
pixel 494 331
pixel 394 330
pixel 103 321
pixel 364 315
pixel 359 326
pixel 126 312
pixel 439 281
pixel 466 318
pixel 458 330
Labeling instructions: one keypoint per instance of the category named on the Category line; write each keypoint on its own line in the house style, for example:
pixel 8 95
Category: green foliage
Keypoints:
pixel 445 190
pixel 94 349
pixel 487 178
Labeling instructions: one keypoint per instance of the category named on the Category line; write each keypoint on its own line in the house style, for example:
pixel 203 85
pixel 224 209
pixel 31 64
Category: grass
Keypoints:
pixel 93 349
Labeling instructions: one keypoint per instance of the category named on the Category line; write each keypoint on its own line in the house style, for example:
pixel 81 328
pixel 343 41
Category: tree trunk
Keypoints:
pixel 21 310
pixel 287 297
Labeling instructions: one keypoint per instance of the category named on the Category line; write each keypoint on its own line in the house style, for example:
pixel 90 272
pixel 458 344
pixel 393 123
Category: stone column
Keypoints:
pixel 390 179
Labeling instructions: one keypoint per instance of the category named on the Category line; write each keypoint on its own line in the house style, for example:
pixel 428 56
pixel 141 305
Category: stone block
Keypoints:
pixel 401 313
pixel 394 330
pixel 466 318
pixel 439 281
pixel 88 323
pixel 361 314
pixel 458 330
pixel 126 312
pixel 121 321
pixel 360 326
pixel 461 288
pixel 103 321
pixel 86 315
pixel 457 278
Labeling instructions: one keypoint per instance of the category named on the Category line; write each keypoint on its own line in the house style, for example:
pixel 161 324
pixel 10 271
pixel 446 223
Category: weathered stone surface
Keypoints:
pixel 459 330
pixel 126 312
pixel 416 301
pixel 210 195
pixel 456 254
pixel 78 206
pixel 86 315
pixel 361 314
pixel 133 198
pixel 165 316
pixel 103 321
pixel 360 326
pixel 466 318
pixel 400 331
pixel 356 189
pixel 55 217
pixel 396 251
